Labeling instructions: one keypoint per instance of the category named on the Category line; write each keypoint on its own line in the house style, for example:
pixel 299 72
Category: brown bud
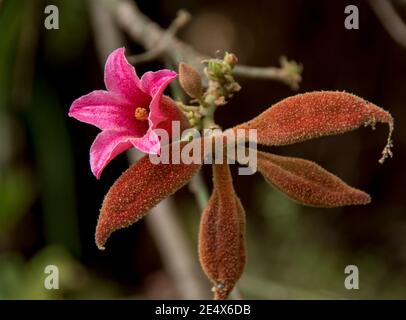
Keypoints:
pixel 190 80
pixel 222 234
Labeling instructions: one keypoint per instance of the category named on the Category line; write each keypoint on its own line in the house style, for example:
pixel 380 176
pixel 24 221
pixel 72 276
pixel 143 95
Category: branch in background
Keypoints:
pixel 390 19
pixel 146 32
pixel 175 251
pixel 162 222
pixel 106 34
pixel 199 190
pixel 289 72
pixel 182 18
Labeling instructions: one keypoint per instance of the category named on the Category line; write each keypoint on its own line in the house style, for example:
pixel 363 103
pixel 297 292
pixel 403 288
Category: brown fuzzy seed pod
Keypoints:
pixel 315 114
pixel 222 234
pixel 307 183
pixel 137 190
pixel 190 80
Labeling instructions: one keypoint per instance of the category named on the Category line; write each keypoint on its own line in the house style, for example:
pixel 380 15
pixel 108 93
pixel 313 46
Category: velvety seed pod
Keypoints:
pixel 136 191
pixel 222 234
pixel 190 80
pixel 307 183
pixel 315 114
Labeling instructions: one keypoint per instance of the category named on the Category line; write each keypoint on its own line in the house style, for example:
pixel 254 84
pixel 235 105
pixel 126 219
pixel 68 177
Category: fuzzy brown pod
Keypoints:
pixel 315 114
pixel 190 80
pixel 137 190
pixel 222 234
pixel 307 183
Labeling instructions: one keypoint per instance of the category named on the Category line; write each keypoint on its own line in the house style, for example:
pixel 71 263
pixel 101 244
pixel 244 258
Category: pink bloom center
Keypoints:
pixel 141 114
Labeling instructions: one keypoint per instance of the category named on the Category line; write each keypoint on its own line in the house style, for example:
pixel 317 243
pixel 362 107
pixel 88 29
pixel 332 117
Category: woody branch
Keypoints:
pixel 160 42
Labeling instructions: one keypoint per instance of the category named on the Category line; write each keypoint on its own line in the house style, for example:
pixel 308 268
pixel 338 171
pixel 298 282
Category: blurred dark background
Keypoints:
pixel 49 200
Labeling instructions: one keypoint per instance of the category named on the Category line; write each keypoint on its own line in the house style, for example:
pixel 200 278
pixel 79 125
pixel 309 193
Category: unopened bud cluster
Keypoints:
pixel 221 87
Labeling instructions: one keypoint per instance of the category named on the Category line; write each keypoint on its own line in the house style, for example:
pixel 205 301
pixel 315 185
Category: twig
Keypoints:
pixel 162 220
pixel 165 225
pixel 199 190
pixel 390 19
pixel 289 72
pixel 182 18
pixel 146 32
pixel 107 36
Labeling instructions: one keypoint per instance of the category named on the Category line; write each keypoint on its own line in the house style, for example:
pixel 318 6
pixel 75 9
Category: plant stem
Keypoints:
pixel 200 191
pixel 147 33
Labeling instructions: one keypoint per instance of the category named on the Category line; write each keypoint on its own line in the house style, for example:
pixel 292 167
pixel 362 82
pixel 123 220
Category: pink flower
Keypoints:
pixel 128 112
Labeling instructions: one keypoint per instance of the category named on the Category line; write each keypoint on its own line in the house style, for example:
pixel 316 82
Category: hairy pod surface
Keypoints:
pixel 137 190
pixel 307 183
pixel 315 114
pixel 222 234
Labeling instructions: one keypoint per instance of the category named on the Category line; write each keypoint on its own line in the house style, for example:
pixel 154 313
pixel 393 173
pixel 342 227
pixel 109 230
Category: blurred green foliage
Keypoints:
pixel 17 193
pixel 68 42
pixel 55 168
pixel 10 26
pixel 20 279
pixel 293 254
pixel 16 186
